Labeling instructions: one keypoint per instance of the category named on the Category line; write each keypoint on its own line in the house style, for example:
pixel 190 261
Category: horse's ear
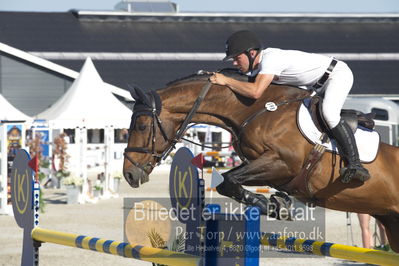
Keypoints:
pixel 143 97
pixel 139 95
pixel 133 91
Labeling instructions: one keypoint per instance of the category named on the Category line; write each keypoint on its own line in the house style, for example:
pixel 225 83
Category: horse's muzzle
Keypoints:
pixel 135 176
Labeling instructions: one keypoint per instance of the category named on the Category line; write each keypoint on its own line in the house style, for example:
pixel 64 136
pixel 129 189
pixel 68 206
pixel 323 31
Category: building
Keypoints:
pixel 150 49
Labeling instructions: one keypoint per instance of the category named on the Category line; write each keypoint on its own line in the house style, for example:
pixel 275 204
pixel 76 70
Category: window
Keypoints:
pixel 121 135
pixel 216 141
pixel 70 132
pixel 95 136
pixel 380 114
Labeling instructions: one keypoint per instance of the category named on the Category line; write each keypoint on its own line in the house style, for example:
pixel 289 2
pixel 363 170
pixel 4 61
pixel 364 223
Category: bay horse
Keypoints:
pixel 271 145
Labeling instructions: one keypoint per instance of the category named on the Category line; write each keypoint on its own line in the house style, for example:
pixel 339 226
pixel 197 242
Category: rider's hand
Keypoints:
pixel 218 78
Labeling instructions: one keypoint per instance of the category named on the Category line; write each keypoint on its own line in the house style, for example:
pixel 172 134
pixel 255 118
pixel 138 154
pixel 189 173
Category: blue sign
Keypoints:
pixel 44 140
pixel 186 195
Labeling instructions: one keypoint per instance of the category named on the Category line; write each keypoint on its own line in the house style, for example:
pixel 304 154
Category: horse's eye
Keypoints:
pixel 141 127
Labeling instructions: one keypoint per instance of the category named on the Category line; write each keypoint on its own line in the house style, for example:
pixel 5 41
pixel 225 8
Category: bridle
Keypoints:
pixel 150 108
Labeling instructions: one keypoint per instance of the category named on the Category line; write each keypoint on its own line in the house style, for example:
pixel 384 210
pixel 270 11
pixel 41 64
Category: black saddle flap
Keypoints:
pixel 355 118
pixel 352 117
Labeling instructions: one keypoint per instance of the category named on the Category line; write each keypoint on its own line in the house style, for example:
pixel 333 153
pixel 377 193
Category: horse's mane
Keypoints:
pixel 204 75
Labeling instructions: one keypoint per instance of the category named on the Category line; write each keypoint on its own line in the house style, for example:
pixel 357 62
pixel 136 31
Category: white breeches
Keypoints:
pixel 336 89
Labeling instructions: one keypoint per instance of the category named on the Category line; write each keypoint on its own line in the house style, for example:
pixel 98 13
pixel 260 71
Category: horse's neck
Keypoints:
pixel 221 106
pixel 180 99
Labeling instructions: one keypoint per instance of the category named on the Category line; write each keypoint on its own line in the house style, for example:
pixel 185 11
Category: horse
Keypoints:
pixel 271 146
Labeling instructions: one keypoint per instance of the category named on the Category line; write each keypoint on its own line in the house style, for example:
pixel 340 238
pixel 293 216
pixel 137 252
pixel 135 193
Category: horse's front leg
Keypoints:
pixel 259 172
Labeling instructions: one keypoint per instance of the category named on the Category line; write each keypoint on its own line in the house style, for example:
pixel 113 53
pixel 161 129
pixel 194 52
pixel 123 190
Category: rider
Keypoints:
pixel 330 77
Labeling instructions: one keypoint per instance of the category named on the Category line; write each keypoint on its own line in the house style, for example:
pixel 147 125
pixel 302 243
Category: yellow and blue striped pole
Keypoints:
pixel 330 249
pixel 123 249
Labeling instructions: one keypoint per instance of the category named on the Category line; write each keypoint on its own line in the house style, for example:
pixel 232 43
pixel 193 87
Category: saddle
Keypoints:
pixel 299 186
pixel 352 117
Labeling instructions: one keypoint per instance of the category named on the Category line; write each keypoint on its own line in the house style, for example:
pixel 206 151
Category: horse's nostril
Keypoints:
pixel 135 176
pixel 133 182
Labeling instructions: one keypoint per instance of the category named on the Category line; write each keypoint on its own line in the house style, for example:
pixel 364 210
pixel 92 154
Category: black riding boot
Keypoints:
pixel 347 148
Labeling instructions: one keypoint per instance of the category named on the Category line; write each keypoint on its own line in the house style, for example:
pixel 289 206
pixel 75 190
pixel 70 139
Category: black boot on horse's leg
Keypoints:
pixel 272 208
pixel 233 189
pixel 347 147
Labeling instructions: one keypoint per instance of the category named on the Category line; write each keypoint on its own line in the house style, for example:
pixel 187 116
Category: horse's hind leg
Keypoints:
pixel 391 224
pixel 257 172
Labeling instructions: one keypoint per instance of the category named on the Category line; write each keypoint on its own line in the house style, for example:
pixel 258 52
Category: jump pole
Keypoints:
pixel 155 255
pixel 330 249
pixel 25 202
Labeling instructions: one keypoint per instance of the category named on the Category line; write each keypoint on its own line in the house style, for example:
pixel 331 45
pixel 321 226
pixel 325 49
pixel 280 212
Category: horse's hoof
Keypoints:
pixel 259 201
pixel 283 205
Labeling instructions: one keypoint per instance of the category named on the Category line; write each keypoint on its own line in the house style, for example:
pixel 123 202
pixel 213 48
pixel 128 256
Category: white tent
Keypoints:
pixel 9 112
pixel 87 103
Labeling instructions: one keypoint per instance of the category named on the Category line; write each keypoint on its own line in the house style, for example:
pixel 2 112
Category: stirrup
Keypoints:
pixel 356 172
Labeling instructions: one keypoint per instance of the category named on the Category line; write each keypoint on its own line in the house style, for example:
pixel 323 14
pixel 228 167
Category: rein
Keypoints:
pixel 187 120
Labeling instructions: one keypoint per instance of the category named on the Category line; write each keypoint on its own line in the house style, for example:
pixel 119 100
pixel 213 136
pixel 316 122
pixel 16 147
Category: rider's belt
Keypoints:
pixel 325 76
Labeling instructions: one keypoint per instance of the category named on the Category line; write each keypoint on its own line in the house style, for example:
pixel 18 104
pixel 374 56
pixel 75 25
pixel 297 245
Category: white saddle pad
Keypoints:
pixel 367 140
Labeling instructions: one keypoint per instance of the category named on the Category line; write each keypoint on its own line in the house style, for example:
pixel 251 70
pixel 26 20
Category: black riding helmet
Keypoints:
pixel 242 42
